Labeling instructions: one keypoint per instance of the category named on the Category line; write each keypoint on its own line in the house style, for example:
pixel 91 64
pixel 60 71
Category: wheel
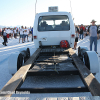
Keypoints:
pixel 91 61
pixel 81 51
pixel 12 74
pixel 19 61
pixel 86 60
pixel 28 51
pixel 27 55
pixel 94 74
pixel 24 53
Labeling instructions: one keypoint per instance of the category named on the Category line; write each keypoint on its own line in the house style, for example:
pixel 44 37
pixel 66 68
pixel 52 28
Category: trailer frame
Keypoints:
pixel 91 83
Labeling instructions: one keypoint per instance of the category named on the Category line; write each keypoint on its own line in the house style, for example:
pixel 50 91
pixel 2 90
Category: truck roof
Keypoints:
pixel 53 13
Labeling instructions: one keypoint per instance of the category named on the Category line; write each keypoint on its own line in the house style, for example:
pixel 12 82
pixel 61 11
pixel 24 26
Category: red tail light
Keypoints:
pixel 35 37
pixel 72 35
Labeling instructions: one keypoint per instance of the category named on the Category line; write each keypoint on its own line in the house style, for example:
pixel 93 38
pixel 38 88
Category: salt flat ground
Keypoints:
pixel 42 81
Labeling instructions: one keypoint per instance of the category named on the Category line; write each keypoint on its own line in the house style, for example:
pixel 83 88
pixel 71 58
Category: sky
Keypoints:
pixel 22 12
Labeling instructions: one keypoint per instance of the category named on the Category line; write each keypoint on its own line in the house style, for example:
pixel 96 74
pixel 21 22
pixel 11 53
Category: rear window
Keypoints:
pixel 54 23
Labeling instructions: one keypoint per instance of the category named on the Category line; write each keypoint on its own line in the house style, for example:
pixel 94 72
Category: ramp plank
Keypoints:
pixel 89 79
pixel 19 76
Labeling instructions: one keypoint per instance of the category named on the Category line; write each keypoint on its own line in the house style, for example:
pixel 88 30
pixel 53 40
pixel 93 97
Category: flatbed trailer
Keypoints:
pixel 52 61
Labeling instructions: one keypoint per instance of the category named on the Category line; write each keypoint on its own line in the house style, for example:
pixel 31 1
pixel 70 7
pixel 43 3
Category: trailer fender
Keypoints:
pixel 91 61
pixel 32 50
pixel 16 60
pixel 12 63
pixel 24 48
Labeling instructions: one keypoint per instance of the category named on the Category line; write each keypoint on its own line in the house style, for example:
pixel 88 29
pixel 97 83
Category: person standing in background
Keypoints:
pixel 19 31
pixel 86 30
pixel 15 33
pixel 76 36
pixel 7 31
pixel 92 30
pixel 26 34
pixel 21 34
pixel 11 33
pixel 81 31
pixel 32 33
pixel 4 36
pixel 30 30
pixel 98 31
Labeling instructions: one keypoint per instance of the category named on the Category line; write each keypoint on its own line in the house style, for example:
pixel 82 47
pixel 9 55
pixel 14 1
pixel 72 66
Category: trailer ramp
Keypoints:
pixel 53 61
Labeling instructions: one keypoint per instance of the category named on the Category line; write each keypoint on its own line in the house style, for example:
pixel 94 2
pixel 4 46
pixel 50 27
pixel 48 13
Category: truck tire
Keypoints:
pixel 86 60
pixel 19 61
pixel 25 54
pixel 81 51
pixel 28 51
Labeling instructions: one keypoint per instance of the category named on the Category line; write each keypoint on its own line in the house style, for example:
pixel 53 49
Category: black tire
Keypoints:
pixel 86 60
pixel 94 74
pixel 28 51
pixel 19 61
pixel 80 54
pixel 24 53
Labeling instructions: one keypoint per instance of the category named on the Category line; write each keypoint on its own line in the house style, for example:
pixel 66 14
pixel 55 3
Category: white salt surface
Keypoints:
pixel 43 81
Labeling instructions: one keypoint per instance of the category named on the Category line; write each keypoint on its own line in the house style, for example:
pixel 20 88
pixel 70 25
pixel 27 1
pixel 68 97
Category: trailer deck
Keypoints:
pixel 53 61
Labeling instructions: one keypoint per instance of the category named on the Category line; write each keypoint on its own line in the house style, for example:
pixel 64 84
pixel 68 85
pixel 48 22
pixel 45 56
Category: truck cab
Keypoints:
pixel 52 27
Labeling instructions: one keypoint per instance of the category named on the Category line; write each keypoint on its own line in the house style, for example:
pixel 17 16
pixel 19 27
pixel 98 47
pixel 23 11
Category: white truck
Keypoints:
pixel 52 27
pixel 49 30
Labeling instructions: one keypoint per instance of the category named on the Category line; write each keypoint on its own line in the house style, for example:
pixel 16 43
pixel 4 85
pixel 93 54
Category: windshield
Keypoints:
pixel 54 23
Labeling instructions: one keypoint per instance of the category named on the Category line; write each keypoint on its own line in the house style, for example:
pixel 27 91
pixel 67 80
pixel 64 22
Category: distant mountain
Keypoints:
pixel 18 26
pixel 1 26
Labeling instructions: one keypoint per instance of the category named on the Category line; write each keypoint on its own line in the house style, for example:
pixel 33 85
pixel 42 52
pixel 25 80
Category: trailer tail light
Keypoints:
pixel 72 35
pixel 35 37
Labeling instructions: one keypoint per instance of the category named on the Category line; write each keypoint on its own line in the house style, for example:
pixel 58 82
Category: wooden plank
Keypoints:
pixel 89 79
pixel 19 76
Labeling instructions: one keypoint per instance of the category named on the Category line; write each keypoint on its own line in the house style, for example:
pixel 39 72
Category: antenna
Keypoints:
pixel 35 7
pixel 71 9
